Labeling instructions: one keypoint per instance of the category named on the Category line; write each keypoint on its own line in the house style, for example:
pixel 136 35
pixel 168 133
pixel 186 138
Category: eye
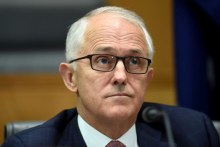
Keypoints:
pixel 134 61
pixel 103 60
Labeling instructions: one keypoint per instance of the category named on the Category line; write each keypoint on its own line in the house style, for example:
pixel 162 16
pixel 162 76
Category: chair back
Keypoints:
pixel 15 127
pixel 217 126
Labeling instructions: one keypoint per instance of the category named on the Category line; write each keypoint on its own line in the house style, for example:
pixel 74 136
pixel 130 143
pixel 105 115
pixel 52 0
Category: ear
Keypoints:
pixel 150 74
pixel 68 76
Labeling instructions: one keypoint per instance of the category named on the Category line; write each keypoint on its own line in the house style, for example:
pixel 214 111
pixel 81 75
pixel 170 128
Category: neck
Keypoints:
pixel 114 128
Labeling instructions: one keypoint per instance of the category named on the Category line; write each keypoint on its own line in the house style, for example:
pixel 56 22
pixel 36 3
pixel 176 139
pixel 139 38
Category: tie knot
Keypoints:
pixel 115 143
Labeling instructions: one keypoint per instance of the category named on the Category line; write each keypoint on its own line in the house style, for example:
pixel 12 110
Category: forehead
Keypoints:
pixel 113 31
pixel 115 21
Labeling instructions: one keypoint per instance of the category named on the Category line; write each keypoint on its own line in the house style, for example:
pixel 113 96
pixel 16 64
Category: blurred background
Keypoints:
pixel 32 42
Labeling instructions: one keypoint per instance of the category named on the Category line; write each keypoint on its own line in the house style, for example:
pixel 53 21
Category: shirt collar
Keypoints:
pixel 93 137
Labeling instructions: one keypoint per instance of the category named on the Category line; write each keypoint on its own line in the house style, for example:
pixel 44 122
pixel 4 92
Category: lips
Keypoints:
pixel 119 95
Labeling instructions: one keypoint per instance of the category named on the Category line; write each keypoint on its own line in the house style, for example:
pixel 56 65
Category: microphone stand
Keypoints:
pixel 153 114
pixel 168 129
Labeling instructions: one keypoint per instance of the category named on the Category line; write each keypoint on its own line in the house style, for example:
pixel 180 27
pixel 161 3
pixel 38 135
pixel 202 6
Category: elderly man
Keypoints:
pixel 109 53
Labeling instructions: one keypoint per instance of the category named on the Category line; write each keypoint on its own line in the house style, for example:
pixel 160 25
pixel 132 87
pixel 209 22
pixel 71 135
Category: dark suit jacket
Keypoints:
pixel 190 129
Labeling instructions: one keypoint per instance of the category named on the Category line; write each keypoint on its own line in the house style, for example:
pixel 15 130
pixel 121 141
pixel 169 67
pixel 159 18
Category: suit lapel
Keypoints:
pixel 146 136
pixel 72 135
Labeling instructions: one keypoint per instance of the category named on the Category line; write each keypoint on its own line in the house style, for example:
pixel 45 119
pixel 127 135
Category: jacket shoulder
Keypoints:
pixel 189 127
pixel 46 134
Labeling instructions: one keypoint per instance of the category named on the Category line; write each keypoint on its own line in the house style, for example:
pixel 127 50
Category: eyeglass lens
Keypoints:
pixel 108 63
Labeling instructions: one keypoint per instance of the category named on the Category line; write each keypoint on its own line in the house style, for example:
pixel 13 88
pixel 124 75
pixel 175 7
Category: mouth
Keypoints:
pixel 119 95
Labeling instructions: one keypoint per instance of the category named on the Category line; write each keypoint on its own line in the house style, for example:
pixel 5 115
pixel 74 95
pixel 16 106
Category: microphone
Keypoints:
pixel 152 114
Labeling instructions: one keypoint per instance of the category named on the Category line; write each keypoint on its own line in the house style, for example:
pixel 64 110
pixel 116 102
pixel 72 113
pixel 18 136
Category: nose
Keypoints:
pixel 120 74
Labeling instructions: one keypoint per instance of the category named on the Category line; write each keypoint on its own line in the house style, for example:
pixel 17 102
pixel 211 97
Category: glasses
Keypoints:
pixel 107 63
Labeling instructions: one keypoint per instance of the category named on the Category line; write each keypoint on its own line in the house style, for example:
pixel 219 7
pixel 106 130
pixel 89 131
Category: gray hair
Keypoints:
pixel 75 36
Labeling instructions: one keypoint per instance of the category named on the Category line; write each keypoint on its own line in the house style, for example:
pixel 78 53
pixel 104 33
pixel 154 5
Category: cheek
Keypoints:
pixel 90 83
pixel 91 88
pixel 139 84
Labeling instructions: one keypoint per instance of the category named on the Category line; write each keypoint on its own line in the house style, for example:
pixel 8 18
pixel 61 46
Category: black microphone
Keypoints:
pixel 152 114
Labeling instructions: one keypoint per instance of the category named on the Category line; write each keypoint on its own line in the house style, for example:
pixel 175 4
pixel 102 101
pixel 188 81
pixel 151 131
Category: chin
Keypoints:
pixel 120 112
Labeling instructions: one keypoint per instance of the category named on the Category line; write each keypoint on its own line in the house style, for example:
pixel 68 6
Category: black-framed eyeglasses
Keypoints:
pixel 107 63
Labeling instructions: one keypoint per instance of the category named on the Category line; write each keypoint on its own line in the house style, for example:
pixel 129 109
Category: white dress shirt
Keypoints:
pixel 93 137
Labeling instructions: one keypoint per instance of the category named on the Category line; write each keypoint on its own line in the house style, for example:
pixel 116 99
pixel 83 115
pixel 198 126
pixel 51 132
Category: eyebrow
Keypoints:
pixel 112 50
pixel 136 51
pixel 104 49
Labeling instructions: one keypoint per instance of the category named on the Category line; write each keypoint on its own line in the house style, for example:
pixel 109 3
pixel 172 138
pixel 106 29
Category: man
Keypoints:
pixel 108 54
